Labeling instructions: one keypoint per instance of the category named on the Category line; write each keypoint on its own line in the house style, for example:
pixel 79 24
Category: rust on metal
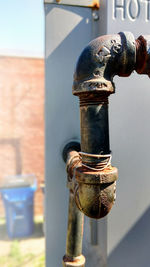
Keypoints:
pixel 143 55
pixel 95 4
pixel 73 160
pixel 73 256
pixel 74 262
pixel 100 61
pixel 95 191
pixel 108 175
pixel 91 178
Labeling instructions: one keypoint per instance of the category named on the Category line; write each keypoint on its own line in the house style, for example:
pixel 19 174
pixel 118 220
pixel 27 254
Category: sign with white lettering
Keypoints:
pixel 131 9
pixel 125 15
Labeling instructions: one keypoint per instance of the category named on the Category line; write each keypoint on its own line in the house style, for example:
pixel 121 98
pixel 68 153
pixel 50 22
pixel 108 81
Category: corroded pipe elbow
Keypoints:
pixel 100 61
pixel 107 56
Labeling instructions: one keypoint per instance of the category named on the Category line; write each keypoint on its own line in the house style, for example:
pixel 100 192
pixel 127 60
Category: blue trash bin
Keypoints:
pixel 19 209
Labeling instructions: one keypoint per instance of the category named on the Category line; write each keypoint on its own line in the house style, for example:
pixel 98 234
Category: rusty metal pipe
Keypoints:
pixel 73 256
pixel 91 178
pixel 94 127
pixel 100 61
pixel 75 229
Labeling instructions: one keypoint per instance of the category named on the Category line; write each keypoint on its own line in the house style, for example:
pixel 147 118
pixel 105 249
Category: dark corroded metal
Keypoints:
pixel 143 55
pixel 77 262
pixel 94 127
pixel 100 61
pixel 73 256
pixel 91 178
pixel 75 229
pixel 95 191
pixel 72 146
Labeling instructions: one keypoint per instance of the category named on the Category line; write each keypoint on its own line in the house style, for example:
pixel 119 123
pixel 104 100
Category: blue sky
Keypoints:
pixel 22 27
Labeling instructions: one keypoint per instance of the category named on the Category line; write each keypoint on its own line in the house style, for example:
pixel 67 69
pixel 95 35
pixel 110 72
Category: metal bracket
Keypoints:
pixel 83 3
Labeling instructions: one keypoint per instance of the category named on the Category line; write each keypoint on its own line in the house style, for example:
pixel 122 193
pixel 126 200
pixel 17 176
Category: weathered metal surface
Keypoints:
pixel 72 159
pixel 95 191
pixel 76 262
pixel 69 150
pixel 75 230
pixel 143 55
pixel 73 256
pixel 107 56
pixel 92 178
pixel 94 127
pixel 100 61
pixel 108 175
pixel 85 3
pixel 95 182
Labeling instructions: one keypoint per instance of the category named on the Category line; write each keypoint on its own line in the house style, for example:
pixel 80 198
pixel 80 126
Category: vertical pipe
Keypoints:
pixel 75 229
pixel 94 126
pixel 73 256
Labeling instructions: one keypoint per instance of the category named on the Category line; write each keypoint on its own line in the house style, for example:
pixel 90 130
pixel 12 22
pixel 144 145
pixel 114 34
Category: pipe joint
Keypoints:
pixel 92 181
pixel 101 60
pixel 95 191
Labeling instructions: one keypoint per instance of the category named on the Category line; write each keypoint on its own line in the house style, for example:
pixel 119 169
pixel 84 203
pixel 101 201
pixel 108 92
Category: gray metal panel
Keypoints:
pixel 68 30
pixel 85 3
pixel 128 230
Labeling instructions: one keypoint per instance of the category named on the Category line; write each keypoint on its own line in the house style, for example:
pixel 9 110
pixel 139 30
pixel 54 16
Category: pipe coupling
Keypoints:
pixel 95 191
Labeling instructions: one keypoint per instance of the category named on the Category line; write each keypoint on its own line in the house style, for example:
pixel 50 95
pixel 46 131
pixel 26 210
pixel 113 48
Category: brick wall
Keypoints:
pixel 22 120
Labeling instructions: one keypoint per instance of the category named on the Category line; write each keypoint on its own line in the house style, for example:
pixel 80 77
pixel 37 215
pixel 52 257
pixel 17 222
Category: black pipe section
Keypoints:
pixel 94 127
pixel 75 230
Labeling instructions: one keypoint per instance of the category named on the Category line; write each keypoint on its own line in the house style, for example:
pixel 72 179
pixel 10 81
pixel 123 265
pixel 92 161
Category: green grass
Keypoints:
pixel 16 258
pixel 39 262
pixel 2 220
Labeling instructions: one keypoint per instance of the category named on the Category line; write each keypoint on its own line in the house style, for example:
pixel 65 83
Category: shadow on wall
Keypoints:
pixel 14 143
pixel 134 249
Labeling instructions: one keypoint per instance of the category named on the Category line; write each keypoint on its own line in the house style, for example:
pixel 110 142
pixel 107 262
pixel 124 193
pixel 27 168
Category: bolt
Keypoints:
pixel 95 16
